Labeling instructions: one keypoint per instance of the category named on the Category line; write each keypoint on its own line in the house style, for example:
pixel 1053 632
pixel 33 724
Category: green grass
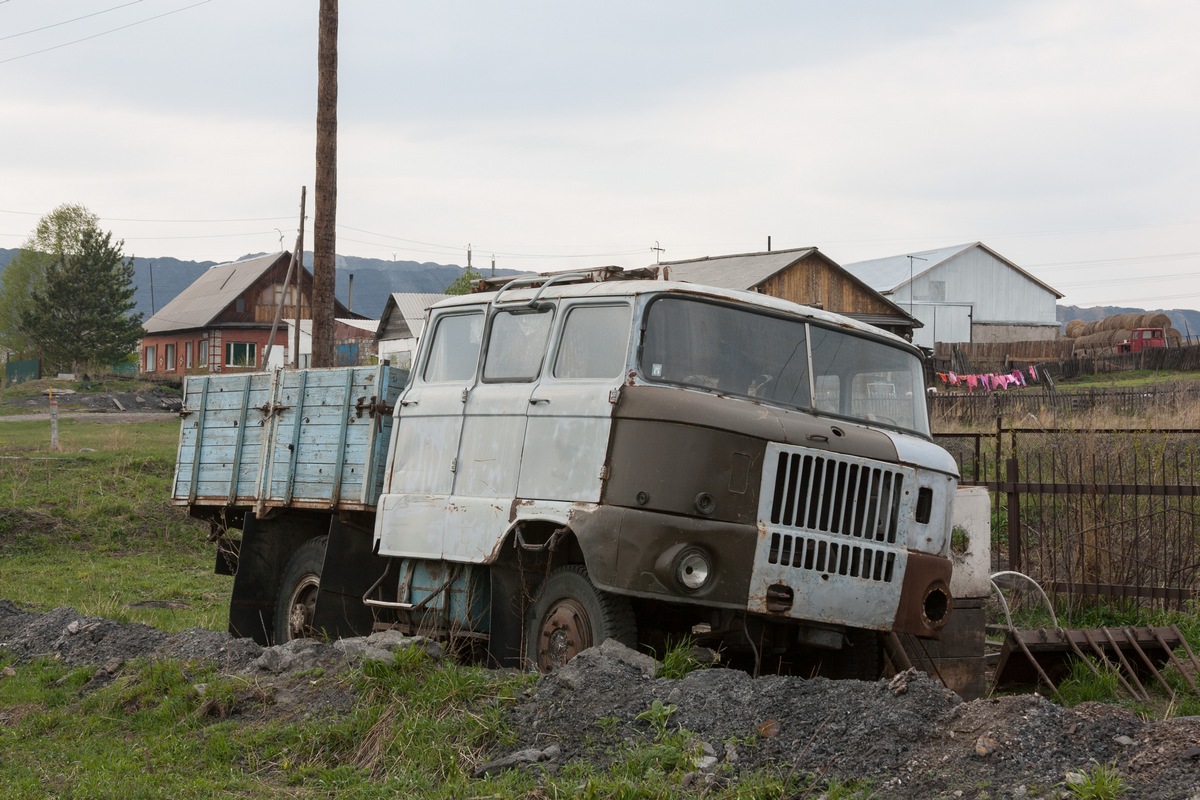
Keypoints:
pixel 1127 379
pixel 95 531
pixel 1100 782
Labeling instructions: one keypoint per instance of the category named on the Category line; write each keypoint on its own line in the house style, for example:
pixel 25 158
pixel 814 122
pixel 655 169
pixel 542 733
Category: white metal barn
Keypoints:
pixel 965 293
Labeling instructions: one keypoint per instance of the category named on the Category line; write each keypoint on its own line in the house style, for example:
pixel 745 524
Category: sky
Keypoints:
pixel 552 135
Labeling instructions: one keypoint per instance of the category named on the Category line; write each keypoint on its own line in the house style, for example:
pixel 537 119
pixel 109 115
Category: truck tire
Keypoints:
pixel 297 596
pixel 569 615
pixel 861 658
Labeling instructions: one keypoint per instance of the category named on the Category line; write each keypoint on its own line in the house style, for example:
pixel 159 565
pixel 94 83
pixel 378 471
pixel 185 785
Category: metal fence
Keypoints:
pixel 1092 513
pixel 984 406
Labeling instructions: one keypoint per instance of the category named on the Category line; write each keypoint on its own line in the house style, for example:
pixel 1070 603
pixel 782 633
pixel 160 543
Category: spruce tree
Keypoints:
pixel 83 313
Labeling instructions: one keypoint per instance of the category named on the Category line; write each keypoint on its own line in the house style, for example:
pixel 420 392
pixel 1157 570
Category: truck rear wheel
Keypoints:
pixel 297 597
pixel 569 615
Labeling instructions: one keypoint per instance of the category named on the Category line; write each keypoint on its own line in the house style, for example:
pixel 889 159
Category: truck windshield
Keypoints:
pixel 745 353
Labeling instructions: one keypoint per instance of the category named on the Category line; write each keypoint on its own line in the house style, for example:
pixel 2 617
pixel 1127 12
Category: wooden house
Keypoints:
pixel 222 321
pixel 803 275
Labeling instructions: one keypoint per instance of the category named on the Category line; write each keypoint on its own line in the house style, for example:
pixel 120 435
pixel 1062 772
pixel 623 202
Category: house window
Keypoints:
pixel 169 356
pixel 239 305
pixel 150 352
pixel 241 354
pixel 187 354
pixel 273 295
pixel 202 353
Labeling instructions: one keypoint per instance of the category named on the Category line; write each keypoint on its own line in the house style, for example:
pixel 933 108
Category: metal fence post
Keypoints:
pixel 1014 515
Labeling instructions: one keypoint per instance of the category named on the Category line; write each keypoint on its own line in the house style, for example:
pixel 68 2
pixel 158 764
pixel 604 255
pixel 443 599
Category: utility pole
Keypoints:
pixel 658 251
pixel 325 202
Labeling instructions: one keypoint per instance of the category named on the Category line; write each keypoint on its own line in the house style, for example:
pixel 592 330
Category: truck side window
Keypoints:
pixel 517 345
pixel 594 342
pixel 455 348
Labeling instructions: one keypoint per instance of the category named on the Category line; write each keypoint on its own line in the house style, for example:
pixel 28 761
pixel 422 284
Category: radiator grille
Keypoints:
pixel 826 494
pixel 838 558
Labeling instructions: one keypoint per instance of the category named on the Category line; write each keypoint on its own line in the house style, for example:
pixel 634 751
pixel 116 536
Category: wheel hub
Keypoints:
pixel 566 632
pixel 301 608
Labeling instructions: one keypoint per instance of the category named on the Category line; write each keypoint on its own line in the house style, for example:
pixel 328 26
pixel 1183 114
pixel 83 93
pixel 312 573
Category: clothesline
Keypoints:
pixel 990 381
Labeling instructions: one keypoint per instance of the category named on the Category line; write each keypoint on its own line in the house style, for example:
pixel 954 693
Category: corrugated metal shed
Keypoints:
pixel 890 273
pixel 965 293
pixel 210 294
pixel 404 315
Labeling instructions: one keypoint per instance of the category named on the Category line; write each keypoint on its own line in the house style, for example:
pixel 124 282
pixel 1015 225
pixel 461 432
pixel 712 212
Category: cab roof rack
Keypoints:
pixel 544 279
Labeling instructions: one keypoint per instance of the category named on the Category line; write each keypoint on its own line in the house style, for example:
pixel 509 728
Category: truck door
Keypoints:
pixel 493 436
pixel 412 511
pixel 570 409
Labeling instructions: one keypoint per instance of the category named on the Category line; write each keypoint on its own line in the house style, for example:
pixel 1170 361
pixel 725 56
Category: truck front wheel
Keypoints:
pixel 569 615
pixel 297 597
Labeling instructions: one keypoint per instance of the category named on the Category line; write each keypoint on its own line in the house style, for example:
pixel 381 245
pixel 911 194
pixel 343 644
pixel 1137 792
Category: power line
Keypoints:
pixel 103 33
pixel 65 22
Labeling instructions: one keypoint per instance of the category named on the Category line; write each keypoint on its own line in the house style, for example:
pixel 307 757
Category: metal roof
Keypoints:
pixel 743 271
pixel 210 294
pixel 411 306
pixel 890 273
pixel 886 274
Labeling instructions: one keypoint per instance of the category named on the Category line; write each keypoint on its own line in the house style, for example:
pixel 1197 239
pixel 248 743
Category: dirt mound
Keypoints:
pixel 909 736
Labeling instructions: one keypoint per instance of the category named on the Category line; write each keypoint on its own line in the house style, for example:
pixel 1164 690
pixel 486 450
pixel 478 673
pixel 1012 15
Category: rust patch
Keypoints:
pixel 925 576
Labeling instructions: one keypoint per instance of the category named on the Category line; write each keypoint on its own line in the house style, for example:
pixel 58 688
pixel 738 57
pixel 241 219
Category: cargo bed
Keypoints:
pixel 311 438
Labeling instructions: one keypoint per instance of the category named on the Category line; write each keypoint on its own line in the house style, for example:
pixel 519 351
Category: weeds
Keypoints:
pixel 1100 782
pixel 679 658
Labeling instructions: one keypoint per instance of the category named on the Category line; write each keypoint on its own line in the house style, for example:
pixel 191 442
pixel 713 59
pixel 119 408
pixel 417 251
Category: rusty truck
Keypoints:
pixel 584 456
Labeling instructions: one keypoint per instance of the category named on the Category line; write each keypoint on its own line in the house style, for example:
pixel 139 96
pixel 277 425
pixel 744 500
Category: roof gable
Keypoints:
pixel 210 294
pixel 743 271
pixel 890 273
pixel 404 314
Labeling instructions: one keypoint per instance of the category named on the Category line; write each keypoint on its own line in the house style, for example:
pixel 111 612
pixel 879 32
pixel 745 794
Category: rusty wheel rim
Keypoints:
pixel 301 607
pixel 565 632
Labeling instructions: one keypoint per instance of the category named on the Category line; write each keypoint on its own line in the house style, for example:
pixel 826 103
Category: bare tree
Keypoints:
pixel 325 188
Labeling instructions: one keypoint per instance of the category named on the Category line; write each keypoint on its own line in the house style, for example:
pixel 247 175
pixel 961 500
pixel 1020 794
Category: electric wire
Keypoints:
pixel 67 21
pixel 102 33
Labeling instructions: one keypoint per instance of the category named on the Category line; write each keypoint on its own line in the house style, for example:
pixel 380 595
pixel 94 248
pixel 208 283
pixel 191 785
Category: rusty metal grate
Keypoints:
pixel 820 555
pixel 830 495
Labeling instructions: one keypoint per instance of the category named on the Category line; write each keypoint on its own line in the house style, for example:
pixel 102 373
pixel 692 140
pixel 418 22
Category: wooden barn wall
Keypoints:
pixel 816 284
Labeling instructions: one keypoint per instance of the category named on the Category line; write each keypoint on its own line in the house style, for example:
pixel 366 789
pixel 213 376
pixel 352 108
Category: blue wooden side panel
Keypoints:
pixel 313 438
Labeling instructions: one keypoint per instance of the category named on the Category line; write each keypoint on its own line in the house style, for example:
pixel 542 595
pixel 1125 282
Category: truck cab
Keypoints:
pixel 576 459
pixel 1143 339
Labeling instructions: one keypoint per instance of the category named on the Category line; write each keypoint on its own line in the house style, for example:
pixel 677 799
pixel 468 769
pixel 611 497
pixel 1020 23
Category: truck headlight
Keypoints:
pixel 693 569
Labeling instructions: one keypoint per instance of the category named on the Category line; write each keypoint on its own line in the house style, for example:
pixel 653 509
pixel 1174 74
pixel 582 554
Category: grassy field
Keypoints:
pixel 90 526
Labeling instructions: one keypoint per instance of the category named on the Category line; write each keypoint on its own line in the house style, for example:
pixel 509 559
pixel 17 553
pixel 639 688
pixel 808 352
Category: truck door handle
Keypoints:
pixel 408 402
pixel 537 401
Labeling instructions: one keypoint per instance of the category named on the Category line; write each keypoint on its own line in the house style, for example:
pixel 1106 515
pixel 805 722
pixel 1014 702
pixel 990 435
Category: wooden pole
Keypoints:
pixel 325 204
pixel 299 281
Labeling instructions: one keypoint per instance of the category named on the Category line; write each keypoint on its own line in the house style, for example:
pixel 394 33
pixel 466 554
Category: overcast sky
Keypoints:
pixel 1064 135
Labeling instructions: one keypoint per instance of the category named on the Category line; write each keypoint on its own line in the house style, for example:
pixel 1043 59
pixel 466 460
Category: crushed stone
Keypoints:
pixel 908 735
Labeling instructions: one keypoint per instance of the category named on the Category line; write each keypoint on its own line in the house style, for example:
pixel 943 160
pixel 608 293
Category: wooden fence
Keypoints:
pixel 1097 513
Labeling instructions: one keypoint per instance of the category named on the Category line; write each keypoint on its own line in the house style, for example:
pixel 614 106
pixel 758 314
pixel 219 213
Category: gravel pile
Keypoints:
pixel 909 736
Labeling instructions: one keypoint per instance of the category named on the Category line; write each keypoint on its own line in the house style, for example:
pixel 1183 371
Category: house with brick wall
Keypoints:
pixel 222 321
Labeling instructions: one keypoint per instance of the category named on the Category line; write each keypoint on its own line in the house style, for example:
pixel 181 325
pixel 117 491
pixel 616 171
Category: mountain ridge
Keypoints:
pixel 160 280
